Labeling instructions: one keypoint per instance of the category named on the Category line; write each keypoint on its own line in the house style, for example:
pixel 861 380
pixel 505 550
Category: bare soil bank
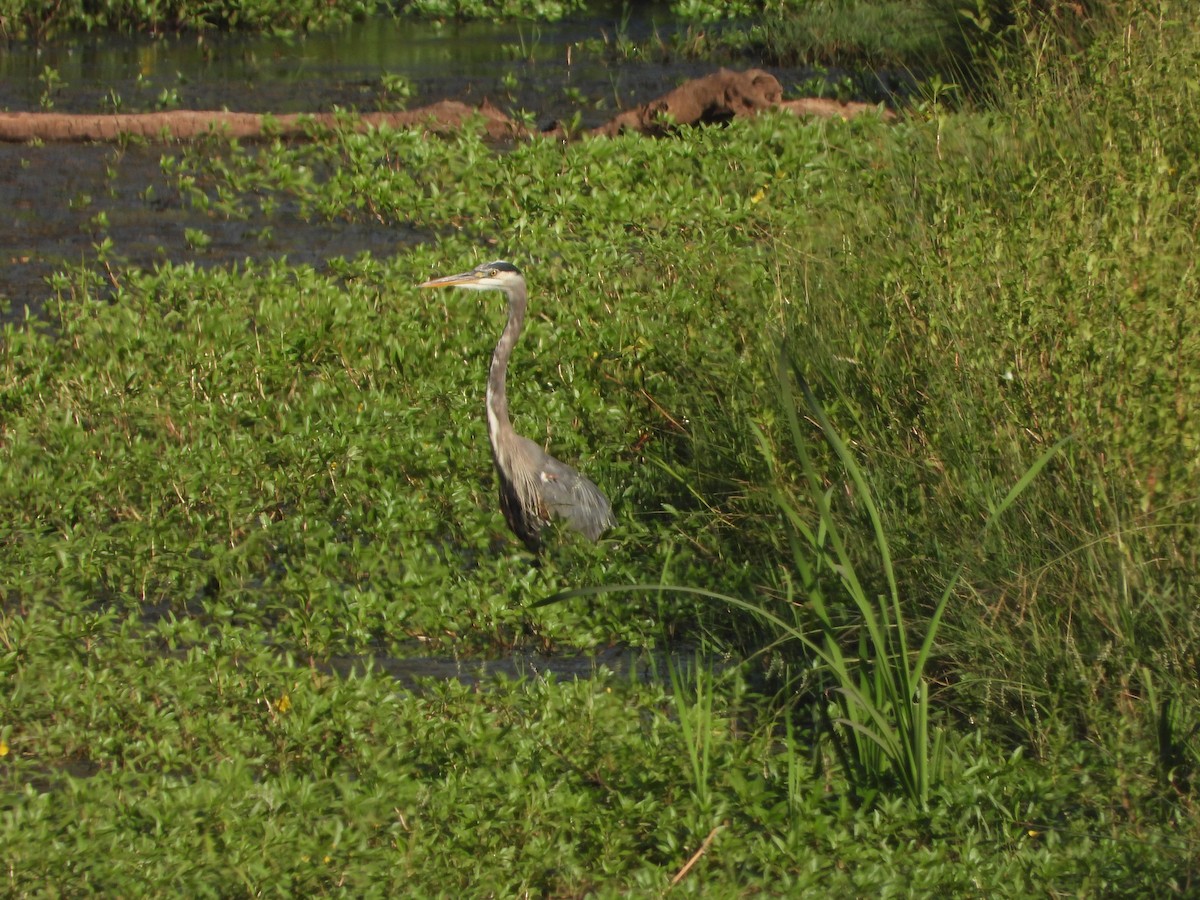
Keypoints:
pixel 715 98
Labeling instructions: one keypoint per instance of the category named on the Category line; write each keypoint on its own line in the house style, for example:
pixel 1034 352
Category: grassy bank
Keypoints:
pixel 217 485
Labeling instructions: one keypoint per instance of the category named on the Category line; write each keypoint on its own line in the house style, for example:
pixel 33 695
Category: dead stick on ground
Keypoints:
pixel 687 866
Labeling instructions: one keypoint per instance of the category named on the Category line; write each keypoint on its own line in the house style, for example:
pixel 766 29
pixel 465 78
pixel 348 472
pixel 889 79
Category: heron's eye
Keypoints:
pixel 492 273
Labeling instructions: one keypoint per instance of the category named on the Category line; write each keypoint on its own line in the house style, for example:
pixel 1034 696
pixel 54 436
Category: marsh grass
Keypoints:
pixel 882 734
pixel 692 692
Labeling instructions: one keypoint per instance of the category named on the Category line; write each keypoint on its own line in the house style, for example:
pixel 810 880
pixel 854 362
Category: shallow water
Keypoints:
pixel 637 665
pixel 538 68
pixel 50 194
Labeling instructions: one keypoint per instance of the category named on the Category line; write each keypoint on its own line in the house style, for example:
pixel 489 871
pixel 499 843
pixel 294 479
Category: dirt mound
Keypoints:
pixel 715 98
pixel 185 124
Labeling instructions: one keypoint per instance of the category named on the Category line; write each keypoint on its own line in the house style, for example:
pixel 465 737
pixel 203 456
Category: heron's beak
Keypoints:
pixel 461 278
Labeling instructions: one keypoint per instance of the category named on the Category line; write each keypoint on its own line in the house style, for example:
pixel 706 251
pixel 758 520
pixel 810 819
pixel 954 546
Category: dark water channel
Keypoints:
pixel 624 662
pixel 535 67
pixel 51 194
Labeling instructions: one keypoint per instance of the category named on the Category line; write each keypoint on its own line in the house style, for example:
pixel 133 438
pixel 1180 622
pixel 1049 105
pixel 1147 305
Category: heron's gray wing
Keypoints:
pixel 568 495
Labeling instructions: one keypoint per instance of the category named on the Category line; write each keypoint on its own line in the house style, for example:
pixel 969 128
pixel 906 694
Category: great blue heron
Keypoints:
pixel 534 486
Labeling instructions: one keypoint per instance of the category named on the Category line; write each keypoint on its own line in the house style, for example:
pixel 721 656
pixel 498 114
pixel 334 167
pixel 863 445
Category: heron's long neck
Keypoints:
pixel 497 394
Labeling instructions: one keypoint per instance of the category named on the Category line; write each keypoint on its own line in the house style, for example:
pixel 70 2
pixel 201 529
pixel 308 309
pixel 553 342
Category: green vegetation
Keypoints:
pixel 843 32
pixel 34 19
pixel 861 48
pixel 855 48
pixel 542 10
pixel 959 650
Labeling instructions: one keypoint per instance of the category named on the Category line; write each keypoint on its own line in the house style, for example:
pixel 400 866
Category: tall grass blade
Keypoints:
pixel 881 732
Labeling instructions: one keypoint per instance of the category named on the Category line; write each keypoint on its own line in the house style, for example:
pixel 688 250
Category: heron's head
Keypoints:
pixel 493 276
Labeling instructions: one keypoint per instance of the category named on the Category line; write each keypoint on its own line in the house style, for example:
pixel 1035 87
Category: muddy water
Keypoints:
pixel 50 195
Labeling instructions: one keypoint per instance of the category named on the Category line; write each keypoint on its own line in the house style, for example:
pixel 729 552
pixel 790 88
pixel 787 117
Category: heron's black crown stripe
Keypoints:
pixel 501 266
